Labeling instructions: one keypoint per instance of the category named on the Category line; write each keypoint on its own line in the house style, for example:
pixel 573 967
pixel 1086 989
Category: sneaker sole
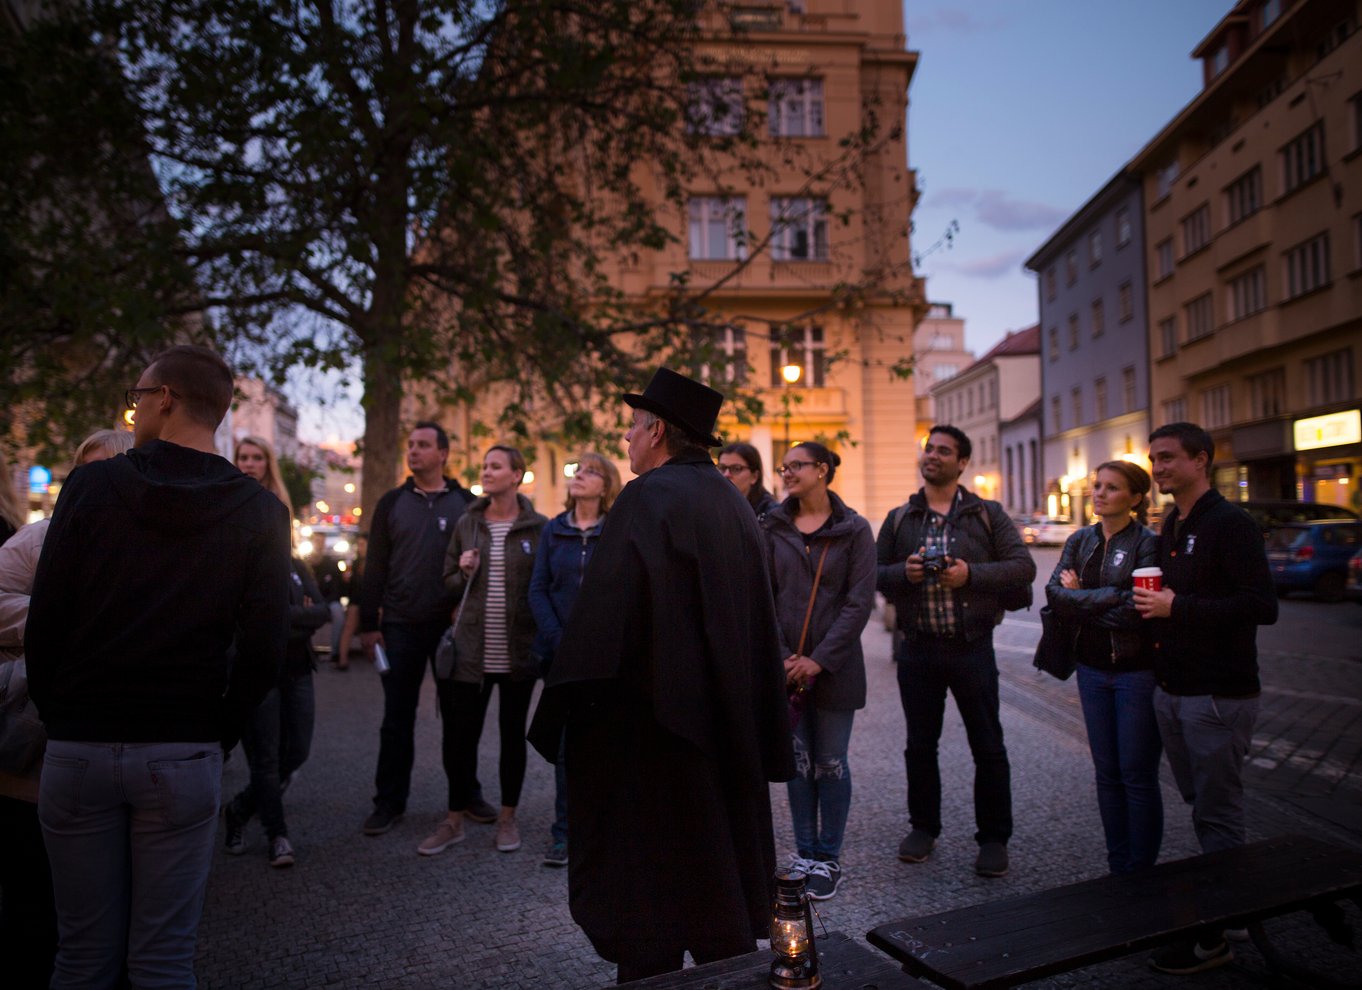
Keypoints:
pixel 507 849
pixel 822 897
pixel 557 864
pixel 1215 962
pixel 280 864
pixel 436 850
pixel 373 830
pixel 903 858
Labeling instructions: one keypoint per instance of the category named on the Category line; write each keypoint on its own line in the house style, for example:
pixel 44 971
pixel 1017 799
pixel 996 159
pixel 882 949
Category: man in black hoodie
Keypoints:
pixel 1217 590
pixel 158 620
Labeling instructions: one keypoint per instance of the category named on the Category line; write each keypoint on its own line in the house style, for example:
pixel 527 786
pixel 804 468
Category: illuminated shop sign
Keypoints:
pixel 1328 431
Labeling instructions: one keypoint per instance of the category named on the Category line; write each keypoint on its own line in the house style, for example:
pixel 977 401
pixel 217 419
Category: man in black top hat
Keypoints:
pixel 670 684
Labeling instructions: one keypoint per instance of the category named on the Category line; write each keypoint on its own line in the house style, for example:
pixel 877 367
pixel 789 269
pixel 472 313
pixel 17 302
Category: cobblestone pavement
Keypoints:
pixel 368 912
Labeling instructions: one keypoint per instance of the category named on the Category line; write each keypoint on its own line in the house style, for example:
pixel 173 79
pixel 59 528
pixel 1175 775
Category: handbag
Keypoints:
pixel 798 694
pixel 1055 653
pixel 446 653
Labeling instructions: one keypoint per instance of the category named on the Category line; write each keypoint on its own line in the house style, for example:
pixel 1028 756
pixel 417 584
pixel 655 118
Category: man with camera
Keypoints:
pixel 951 562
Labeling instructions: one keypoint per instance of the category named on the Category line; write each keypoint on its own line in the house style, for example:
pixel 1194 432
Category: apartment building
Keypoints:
pixel 938 354
pixel 1094 376
pixel 1253 246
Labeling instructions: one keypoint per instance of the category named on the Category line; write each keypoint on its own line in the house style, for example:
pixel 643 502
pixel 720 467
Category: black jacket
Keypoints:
pixel 1217 566
pixel 154 563
pixel 303 620
pixel 995 561
pixel 1110 606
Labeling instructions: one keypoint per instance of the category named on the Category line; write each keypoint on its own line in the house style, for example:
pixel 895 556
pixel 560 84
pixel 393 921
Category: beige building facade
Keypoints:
pixel 1253 221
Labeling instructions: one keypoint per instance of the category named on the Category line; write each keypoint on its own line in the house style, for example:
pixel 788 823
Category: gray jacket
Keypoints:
pixel 521 543
pixel 846 595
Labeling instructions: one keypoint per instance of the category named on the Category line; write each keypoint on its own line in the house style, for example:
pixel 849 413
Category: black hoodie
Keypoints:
pixel 154 563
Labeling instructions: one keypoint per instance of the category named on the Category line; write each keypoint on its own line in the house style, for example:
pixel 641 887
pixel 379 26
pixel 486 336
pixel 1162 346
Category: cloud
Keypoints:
pixel 955 196
pixel 999 265
pixel 995 208
pixel 948 19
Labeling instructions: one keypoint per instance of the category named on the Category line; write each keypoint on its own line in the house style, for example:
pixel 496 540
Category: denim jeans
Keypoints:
pixel 1207 739
pixel 411 649
pixel 1118 709
pixel 928 667
pixel 129 828
pixel 277 741
pixel 820 791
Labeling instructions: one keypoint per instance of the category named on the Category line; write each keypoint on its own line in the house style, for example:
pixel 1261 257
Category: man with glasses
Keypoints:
pixel 945 559
pixel 158 621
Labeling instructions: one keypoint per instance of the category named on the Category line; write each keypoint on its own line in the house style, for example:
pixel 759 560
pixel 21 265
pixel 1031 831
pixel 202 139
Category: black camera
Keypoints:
pixel 934 561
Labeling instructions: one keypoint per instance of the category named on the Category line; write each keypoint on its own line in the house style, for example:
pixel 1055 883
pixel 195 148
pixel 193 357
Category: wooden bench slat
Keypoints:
pixel 1032 935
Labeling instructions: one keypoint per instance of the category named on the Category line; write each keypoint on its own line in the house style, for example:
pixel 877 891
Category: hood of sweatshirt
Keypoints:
pixel 180 488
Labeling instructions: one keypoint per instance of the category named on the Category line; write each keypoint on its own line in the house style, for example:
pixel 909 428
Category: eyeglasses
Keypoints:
pixel 585 471
pixel 790 467
pixel 733 468
pixel 134 395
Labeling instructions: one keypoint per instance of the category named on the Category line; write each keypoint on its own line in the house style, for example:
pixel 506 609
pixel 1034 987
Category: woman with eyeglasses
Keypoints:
pixel 565 549
pixel 278 735
pixel 740 463
pixel 491 556
pixel 822 563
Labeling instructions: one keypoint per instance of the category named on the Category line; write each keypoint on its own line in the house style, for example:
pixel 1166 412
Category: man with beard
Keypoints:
pixel 670 684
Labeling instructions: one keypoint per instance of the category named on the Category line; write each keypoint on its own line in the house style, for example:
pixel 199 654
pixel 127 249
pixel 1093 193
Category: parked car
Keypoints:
pixel 1313 556
pixel 1354 587
pixel 1049 531
pixel 1269 513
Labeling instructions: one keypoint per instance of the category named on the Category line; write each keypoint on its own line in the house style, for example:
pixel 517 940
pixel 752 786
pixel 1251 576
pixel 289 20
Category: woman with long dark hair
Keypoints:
pixel 822 562
pixel 1091 590
pixel 491 556
pixel 740 463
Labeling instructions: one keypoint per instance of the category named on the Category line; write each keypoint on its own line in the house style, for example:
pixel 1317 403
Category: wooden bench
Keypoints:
pixel 843 963
pixel 1005 942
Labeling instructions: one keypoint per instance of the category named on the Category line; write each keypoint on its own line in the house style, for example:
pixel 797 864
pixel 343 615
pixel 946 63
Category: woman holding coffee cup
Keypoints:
pixel 1091 590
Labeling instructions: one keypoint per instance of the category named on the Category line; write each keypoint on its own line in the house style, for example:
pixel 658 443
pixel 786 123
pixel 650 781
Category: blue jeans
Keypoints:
pixel 277 741
pixel 1118 708
pixel 928 668
pixel 411 649
pixel 129 828
pixel 820 791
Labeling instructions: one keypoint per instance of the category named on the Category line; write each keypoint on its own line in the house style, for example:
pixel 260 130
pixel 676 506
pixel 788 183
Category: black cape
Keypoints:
pixel 670 686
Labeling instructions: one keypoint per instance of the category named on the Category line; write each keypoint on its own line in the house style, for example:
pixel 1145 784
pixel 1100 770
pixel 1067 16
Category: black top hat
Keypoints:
pixel 683 402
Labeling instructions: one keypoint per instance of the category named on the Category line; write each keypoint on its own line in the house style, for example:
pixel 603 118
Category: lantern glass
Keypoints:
pixel 792 940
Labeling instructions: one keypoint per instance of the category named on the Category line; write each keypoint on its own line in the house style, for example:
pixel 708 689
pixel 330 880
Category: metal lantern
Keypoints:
pixel 792 937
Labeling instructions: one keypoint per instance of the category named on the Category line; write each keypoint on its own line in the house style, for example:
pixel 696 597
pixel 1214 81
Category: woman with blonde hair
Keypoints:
pixel 1091 591
pixel 565 549
pixel 278 735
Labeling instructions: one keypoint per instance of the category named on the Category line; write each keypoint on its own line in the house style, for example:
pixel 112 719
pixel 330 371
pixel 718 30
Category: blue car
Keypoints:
pixel 1313 557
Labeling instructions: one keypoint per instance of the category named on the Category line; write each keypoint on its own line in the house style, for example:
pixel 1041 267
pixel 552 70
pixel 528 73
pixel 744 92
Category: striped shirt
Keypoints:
pixel 496 652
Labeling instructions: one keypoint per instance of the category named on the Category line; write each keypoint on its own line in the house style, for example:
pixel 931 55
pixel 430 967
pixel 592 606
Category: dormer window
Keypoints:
pixel 1219 60
pixel 1272 9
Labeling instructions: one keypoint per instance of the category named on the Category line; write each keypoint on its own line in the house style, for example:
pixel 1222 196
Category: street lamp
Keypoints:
pixel 790 373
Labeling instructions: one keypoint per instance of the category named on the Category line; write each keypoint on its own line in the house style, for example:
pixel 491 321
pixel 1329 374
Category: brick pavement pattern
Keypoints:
pixel 368 912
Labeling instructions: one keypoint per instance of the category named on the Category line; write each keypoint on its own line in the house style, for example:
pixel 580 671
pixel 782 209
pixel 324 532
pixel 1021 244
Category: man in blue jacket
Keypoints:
pixel 1217 590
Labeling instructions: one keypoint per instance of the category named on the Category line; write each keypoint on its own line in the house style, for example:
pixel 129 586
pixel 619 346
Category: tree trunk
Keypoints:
pixel 383 446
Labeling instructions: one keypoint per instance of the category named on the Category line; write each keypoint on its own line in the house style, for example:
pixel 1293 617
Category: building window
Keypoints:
pixel 1307 266
pixel 1165 177
pixel 1357 243
pixel 1196 230
pixel 714 106
pixel 1073 331
pixel 1244 196
pixel 1329 378
pixel 1056 415
pixel 1215 407
pixel 1054 343
pixel 1219 60
pixel 944 371
pixel 1200 313
pixel 1099 398
pixel 1128 387
pixel 723 356
pixel 1303 158
pixel 1123 229
pixel 1163 258
pixel 1175 411
pixel 993 393
pixel 1071 268
pixel 969 402
pixel 796 108
pixel 1076 398
pixel 1094 249
pixel 1050 290
pixel 1125 302
pixel 1355 112
pixel 1099 319
pixel 1168 336
pixel 802 346
pixel 1248 293
pixel 1270 11
pixel 718 228
pixel 799 228
pixel 1267 394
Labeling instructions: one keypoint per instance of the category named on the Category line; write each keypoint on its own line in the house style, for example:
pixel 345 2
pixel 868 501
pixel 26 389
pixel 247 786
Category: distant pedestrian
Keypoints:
pixel 740 463
pixel 278 736
pixel 823 576
pixel 946 559
pixel 404 609
pixel 1217 590
pixel 491 557
pixel 155 564
pixel 1092 591
pixel 668 679
pixel 354 591
pixel 565 549
pixel 28 916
